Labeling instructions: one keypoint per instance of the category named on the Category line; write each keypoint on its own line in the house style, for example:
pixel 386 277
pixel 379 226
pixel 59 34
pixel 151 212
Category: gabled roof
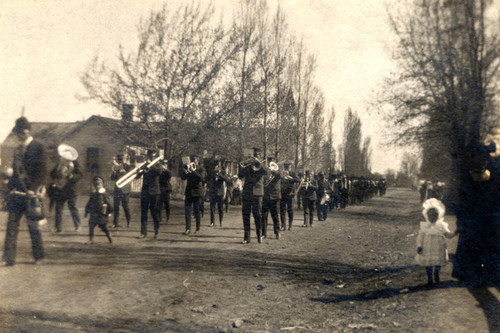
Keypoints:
pixel 53 133
pixel 50 133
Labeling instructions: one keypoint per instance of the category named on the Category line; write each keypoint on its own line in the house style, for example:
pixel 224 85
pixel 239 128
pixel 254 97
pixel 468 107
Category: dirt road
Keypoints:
pixel 351 273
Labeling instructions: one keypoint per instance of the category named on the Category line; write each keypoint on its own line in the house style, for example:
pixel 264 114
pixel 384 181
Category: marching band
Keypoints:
pixel 259 186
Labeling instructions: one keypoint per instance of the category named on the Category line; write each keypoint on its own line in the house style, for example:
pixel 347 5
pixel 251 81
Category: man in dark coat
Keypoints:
pixel 321 191
pixel 150 194
pixel 272 197
pixel 25 184
pixel 120 195
pixel 66 175
pixel 478 220
pixel 253 191
pixel 288 183
pixel 217 184
pixel 308 187
pixel 194 174
pixel 165 189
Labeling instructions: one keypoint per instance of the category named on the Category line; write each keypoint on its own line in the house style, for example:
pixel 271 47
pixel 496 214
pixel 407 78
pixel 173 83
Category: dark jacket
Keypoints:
pixel 218 185
pixel 29 171
pixel 165 177
pixel 194 184
pixel 117 174
pixel 272 186
pixel 288 187
pixel 99 207
pixel 150 180
pixel 69 188
pixel 310 191
pixel 254 181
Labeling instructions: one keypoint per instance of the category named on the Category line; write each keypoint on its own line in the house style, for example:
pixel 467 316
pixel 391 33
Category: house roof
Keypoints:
pixel 53 133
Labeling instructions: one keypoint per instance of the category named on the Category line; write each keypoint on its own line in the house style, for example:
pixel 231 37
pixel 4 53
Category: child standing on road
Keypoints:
pixel 99 208
pixel 431 244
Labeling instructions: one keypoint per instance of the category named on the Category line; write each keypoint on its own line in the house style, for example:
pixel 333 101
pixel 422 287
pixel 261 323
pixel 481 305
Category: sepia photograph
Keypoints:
pixel 250 166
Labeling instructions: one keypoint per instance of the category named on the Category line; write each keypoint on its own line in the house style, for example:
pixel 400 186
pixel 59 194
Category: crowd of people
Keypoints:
pixel 431 189
pixel 261 187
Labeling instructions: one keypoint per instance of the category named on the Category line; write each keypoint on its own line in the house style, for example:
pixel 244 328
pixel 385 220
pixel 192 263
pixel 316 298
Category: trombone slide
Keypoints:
pixel 129 176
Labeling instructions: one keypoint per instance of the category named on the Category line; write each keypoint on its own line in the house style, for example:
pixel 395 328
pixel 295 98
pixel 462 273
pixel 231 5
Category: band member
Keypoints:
pixel 229 193
pixel 218 190
pixel 321 191
pixel 272 197
pixel 194 174
pixel 288 183
pixel 343 192
pixel 25 185
pixel 66 174
pixel 120 195
pixel 237 186
pixel 150 194
pixel 252 172
pixel 99 208
pixel 299 192
pixel 308 188
pixel 165 190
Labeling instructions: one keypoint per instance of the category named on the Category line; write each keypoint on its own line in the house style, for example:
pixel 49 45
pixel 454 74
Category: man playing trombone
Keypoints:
pixel 194 174
pixel 252 172
pixel 120 195
pixel 150 192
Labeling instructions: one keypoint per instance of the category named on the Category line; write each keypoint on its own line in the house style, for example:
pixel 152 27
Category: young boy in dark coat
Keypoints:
pixel 99 207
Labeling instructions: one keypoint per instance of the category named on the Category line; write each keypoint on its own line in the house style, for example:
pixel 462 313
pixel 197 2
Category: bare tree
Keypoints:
pixel 352 144
pixel 449 58
pixel 180 54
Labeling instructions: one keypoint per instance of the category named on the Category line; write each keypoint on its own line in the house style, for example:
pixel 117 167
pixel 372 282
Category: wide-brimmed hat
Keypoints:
pixel 67 152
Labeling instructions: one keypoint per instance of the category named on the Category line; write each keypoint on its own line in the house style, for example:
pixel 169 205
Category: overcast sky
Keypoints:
pixel 45 45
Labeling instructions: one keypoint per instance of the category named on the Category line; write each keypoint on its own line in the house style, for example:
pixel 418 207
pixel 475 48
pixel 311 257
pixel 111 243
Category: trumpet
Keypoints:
pixel 190 167
pixel 129 176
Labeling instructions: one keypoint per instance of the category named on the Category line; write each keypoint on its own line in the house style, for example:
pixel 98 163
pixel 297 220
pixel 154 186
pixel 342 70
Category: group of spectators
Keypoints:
pixel 431 189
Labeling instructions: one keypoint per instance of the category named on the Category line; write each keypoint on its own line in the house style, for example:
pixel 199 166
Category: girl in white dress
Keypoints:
pixel 431 244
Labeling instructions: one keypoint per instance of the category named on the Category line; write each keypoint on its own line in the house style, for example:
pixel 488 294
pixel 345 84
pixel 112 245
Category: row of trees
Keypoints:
pixel 195 79
pixel 445 96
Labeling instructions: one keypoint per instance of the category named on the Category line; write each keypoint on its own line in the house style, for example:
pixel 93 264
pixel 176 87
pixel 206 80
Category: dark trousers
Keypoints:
pixel 165 202
pixel 72 208
pixel 272 206
pixel 98 221
pixel 308 211
pixel 216 200
pixel 17 207
pixel 300 199
pixel 194 202
pixel 252 205
pixel 322 211
pixel 120 199
pixel 286 205
pixel 149 201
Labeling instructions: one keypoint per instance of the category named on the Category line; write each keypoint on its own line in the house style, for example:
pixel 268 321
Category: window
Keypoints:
pixel 92 163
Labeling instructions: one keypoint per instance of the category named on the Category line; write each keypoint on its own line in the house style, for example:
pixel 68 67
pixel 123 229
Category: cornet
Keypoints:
pixel 129 176
pixel 190 167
